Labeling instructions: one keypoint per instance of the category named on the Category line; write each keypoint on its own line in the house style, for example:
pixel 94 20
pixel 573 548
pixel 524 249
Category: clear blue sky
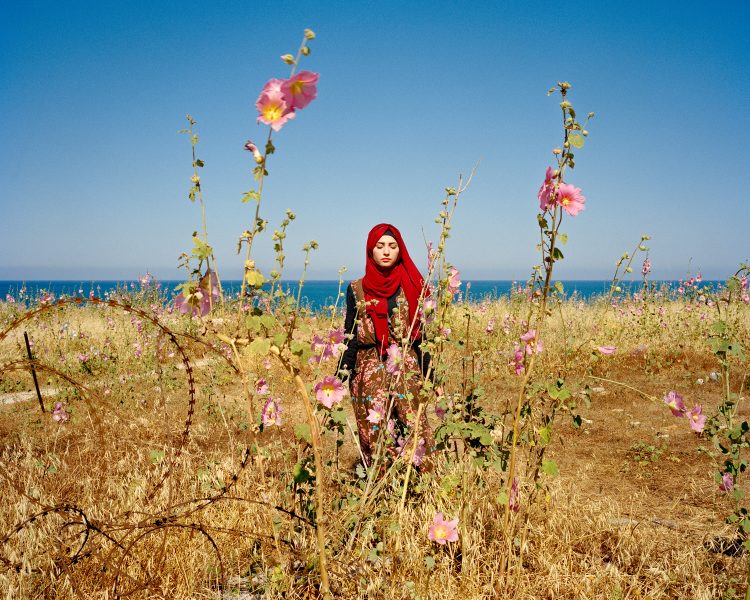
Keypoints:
pixel 95 176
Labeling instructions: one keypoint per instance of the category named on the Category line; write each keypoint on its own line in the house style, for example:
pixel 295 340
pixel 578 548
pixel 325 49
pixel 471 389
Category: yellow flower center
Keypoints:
pixel 272 112
pixel 441 532
pixel 297 87
pixel 565 201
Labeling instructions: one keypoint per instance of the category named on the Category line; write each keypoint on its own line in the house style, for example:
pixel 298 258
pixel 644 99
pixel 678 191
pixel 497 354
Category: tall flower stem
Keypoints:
pixel 198 190
pixel 320 518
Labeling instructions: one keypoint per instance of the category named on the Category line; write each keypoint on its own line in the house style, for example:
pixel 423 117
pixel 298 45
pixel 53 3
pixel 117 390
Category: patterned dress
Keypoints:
pixel 383 400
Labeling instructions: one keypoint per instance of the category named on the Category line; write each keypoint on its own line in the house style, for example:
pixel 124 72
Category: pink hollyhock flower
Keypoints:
pixel 743 282
pixel 533 346
pixel 273 108
pixel 330 391
pixel 698 278
pixel 300 89
pixel 439 411
pixel 261 387
pixel 674 401
pixel 490 327
pixel 330 346
pixel 442 531
pixel 607 350
pixel 336 341
pixel 376 413
pixel 546 190
pixel 514 501
pixel 517 361
pixel 727 483
pixel 395 359
pixel 273 86
pixel 429 308
pixel 271 413
pixel 570 198
pixel 697 418
pixel 200 301
pixel 59 414
pixel 646 267
pixel 407 446
pixel 454 283
pixel 321 349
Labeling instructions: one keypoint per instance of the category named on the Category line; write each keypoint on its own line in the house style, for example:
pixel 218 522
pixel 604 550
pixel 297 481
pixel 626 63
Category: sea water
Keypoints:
pixel 316 294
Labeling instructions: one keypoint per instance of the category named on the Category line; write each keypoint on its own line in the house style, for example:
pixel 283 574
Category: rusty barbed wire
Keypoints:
pixel 91 538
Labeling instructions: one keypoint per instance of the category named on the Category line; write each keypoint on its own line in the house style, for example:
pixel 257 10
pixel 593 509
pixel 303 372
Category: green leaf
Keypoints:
pixel 254 278
pixel 259 346
pixel 429 563
pixel 557 253
pixel 549 467
pixel 250 195
pixel 297 347
pixel 201 249
pixel 252 322
pixel 156 456
pixel 545 433
pixel 302 432
pixel 300 473
pixel 563 237
pixel 267 321
pixel 576 140
pixel 199 163
pixel 339 416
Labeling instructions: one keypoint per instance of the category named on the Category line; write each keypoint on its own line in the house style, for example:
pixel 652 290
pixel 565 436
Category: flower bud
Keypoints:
pixel 288 59
pixel 629 270
pixel 566 145
pixel 585 132
pixel 305 51
pixel 556 151
pixel 309 34
pixel 250 265
pixel 195 179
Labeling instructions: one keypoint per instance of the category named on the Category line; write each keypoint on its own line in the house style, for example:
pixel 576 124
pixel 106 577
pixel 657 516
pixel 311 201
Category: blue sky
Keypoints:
pixel 95 176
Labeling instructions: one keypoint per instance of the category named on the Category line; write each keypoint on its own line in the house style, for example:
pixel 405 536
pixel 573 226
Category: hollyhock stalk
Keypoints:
pixel 550 205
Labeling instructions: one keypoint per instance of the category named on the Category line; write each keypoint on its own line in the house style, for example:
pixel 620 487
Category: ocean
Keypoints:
pixel 315 293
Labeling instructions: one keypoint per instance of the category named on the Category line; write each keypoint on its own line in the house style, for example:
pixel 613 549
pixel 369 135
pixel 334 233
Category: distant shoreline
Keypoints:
pixel 316 293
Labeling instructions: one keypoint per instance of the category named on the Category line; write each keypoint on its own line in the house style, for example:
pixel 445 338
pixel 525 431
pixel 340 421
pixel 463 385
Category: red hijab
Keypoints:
pixel 380 283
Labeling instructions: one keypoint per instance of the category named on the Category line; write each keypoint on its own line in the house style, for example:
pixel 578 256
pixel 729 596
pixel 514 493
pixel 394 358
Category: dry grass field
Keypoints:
pixel 156 487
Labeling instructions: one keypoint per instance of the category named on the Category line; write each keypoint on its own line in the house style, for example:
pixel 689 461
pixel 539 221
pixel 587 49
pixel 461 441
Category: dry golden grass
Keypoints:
pixel 627 517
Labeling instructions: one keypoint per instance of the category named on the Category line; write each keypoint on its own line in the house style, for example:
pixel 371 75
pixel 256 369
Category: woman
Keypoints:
pixel 382 314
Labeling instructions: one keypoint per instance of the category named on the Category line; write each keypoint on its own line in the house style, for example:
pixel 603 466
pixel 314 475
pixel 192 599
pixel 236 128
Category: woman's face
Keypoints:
pixel 385 252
